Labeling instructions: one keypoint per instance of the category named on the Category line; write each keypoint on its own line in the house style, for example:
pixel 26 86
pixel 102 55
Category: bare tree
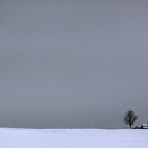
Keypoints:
pixel 129 118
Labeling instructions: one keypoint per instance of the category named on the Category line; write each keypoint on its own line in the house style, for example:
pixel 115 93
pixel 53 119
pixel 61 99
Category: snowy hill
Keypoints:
pixel 72 138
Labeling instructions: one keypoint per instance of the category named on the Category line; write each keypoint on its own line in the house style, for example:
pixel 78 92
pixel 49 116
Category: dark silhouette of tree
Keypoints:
pixel 129 118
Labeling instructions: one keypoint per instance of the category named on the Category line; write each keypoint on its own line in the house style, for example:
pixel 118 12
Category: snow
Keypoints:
pixel 73 138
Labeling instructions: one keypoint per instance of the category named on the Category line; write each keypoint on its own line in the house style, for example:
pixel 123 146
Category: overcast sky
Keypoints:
pixel 73 63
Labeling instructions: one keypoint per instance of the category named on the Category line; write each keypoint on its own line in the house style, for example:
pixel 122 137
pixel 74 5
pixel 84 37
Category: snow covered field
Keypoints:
pixel 72 138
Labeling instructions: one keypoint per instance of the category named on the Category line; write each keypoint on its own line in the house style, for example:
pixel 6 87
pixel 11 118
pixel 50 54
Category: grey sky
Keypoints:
pixel 73 63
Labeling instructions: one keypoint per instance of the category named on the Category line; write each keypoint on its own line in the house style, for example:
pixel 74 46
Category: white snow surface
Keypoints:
pixel 73 138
